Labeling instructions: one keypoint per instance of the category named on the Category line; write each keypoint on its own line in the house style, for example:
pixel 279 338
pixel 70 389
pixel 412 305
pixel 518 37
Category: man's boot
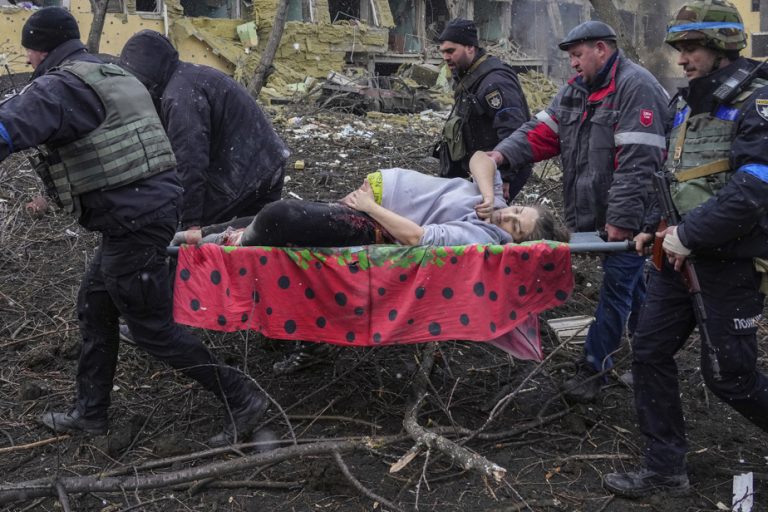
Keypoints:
pixel 644 483
pixel 584 386
pixel 72 422
pixel 242 423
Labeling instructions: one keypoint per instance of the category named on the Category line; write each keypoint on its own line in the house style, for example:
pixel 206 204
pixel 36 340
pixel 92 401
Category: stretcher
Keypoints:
pixel 378 294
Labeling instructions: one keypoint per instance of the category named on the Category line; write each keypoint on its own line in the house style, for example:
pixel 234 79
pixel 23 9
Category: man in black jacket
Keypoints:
pixel 490 104
pixel 719 169
pixel 108 162
pixel 228 155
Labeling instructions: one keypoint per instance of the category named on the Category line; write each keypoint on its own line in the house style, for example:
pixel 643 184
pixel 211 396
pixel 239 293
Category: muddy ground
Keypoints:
pixel 554 454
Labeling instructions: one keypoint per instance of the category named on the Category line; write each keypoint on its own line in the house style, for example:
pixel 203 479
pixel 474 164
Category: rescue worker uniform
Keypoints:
pixel 110 164
pixel 610 136
pixel 725 225
pixel 489 106
pixel 230 158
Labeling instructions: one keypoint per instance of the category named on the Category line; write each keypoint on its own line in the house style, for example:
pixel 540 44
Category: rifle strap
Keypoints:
pixel 703 170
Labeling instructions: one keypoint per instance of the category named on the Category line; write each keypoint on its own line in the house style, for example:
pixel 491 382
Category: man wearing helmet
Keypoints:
pixel 719 185
pixel 608 125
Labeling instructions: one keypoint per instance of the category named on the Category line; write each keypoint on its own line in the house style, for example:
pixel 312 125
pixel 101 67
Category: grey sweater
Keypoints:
pixel 443 207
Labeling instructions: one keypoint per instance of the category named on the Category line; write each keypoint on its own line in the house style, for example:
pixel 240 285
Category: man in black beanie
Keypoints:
pixel 490 104
pixel 48 28
pixel 106 160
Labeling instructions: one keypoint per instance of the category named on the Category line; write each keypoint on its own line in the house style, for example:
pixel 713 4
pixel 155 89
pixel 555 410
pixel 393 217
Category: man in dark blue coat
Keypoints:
pixel 107 160
pixel 229 157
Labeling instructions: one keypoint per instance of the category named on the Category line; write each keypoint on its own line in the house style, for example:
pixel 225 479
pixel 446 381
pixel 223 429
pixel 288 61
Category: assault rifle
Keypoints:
pixel 670 217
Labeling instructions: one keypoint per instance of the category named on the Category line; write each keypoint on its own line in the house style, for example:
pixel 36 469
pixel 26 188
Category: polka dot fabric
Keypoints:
pixel 372 295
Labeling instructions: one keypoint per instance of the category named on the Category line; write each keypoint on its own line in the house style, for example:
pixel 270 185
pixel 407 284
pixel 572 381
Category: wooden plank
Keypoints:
pixel 575 327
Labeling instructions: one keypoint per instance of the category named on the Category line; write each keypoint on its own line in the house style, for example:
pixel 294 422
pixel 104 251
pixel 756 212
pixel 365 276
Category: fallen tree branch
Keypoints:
pixel 460 455
pixel 94 483
pixel 36 444
pixel 359 486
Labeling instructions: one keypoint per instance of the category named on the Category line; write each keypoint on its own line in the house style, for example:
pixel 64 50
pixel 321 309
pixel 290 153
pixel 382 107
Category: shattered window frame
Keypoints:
pixel 157 3
pixel 365 11
pixel 214 9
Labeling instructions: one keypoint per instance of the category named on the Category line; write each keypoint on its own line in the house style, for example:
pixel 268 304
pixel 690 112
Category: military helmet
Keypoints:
pixel 713 23
pixel 588 31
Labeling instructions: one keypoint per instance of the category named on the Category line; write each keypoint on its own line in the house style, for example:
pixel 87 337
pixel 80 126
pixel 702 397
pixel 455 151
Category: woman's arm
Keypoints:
pixel 404 230
pixel 483 171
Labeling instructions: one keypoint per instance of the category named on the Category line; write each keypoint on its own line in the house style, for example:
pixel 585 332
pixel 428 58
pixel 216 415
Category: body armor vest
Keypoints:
pixel 459 133
pixel 129 145
pixel 699 148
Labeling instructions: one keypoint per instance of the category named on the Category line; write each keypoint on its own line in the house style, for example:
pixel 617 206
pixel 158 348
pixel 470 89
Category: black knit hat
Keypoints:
pixel 460 31
pixel 48 28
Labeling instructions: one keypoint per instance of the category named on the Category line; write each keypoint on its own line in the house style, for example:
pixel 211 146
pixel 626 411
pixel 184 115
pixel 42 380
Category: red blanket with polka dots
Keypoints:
pixel 376 295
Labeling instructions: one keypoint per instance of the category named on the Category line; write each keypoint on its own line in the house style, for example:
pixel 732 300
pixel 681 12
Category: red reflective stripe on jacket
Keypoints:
pixel 544 142
pixel 600 94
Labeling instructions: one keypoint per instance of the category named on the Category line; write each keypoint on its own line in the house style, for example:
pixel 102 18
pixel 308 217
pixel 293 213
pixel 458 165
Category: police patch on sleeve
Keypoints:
pixel 494 99
pixel 761 104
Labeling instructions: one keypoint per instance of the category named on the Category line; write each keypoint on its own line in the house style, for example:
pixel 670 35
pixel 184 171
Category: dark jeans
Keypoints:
pixel 730 289
pixel 621 295
pixel 312 224
pixel 129 277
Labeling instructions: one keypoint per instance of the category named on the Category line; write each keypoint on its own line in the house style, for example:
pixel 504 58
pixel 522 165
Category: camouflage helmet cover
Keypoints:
pixel 715 23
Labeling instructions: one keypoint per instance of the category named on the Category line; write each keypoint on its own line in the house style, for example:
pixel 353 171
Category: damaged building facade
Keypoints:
pixel 378 35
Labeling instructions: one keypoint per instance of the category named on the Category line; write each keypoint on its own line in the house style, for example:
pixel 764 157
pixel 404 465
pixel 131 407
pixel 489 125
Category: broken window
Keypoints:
pixel 300 10
pixel 212 8
pixel 148 6
pixel 353 10
pixel 344 10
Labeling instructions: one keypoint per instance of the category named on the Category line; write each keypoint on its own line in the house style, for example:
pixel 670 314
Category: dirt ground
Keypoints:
pixel 554 454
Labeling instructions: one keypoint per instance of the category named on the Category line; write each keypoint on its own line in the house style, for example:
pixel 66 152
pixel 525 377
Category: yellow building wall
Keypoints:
pixel 305 50
pixel 118 28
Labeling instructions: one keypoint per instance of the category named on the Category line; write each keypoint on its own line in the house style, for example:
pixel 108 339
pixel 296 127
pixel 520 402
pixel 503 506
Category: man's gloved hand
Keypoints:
pixel 676 251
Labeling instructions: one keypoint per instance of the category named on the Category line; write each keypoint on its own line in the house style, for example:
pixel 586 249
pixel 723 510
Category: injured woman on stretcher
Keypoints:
pixel 394 206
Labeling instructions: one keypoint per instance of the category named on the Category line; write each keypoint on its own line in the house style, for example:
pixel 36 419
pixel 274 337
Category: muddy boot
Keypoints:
pixel 584 386
pixel 73 423
pixel 644 483
pixel 308 354
pixel 242 423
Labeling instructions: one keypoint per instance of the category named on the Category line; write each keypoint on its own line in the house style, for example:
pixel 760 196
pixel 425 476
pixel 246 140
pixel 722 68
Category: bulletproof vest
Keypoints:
pixel 699 147
pixel 129 145
pixel 460 132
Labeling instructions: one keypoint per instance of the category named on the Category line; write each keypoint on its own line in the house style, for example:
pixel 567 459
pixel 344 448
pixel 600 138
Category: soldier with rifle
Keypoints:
pixel 714 190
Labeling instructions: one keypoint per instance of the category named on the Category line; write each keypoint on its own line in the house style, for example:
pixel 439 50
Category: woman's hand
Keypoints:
pixel 484 209
pixel 189 237
pixel 361 199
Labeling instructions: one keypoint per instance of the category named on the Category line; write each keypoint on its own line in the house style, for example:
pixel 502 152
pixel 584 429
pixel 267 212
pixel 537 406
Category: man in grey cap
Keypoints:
pixel 489 106
pixel 608 124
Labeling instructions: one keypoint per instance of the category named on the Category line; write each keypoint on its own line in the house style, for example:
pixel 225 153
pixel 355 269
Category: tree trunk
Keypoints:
pixel 607 12
pixel 99 8
pixel 260 75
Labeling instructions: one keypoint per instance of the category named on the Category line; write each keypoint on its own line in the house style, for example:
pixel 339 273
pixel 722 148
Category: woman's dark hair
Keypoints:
pixel 548 227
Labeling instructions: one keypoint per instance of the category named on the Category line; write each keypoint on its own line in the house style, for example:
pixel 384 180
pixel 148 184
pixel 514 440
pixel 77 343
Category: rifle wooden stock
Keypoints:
pixel 670 217
pixel 657 251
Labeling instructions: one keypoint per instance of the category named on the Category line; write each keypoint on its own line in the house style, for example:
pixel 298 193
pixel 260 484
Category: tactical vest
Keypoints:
pixel 699 147
pixel 458 133
pixel 129 145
